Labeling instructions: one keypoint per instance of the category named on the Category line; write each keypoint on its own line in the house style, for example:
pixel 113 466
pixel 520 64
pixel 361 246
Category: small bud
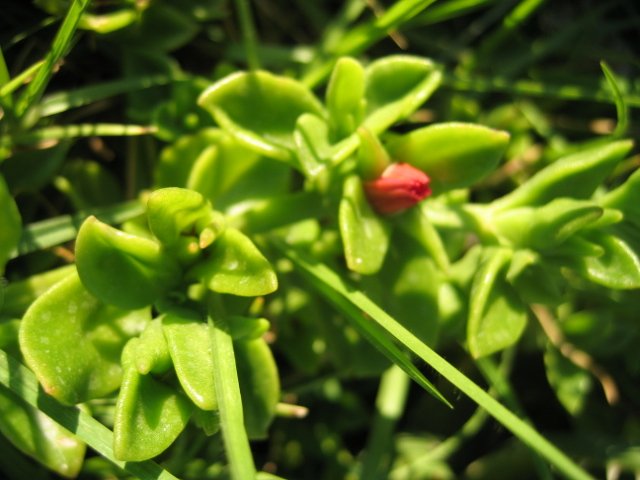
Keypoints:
pixel 399 187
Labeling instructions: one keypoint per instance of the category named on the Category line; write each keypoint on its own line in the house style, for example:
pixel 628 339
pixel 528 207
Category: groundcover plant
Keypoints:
pixel 319 240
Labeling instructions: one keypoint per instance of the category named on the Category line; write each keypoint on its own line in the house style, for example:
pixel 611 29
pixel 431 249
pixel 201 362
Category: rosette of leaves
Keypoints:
pixel 93 332
pixel 344 141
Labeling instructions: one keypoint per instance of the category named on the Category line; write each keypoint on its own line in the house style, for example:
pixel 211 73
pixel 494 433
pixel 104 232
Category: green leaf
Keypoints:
pixel 236 266
pixel 345 97
pixel 571 383
pixel 535 280
pixel 365 236
pixel 625 198
pixel 260 110
pixel 122 269
pixel 259 385
pixel 496 316
pixel 190 348
pixel 23 383
pixel 395 86
pixel 576 175
pixel 32 170
pixel 72 341
pixel 11 225
pixel 545 227
pixel 247 328
pixel 35 434
pixel 173 213
pixel 149 416
pixel 313 149
pixel 454 155
pixel 618 267
pixel 151 353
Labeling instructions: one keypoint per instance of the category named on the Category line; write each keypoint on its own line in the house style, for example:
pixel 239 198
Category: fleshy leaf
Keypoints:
pixel 236 266
pixel 151 353
pixel 247 328
pixel 365 235
pixel 395 86
pixel 38 436
pixel 576 175
pixel 496 316
pixel 148 418
pixel 72 341
pixel 260 109
pixel 625 198
pixel 454 155
pixel 571 384
pixel 173 212
pixel 345 97
pixel 10 222
pixel 259 385
pixel 618 267
pixel 190 347
pixel 545 227
pixel 122 269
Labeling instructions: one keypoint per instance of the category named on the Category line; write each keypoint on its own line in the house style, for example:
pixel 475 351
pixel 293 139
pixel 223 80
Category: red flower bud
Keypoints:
pixel 399 187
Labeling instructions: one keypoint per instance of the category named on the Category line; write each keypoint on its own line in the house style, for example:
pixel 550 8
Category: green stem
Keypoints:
pixel 390 404
pixel 20 79
pixel 248 33
pixel 234 434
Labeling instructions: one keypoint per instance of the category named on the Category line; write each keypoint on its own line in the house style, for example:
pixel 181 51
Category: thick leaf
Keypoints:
pixel 395 86
pixel 31 170
pixel 149 416
pixel 454 155
pixel 365 236
pixel 10 224
pixel 190 348
pixel 260 109
pixel 121 269
pixel 38 436
pixel 542 228
pixel 237 267
pixel 259 385
pixel 571 383
pixel 496 316
pixel 576 175
pixel 618 267
pixel 151 352
pixel 345 97
pixel 72 341
pixel 247 328
pixel 535 280
pixel 173 213
pixel 625 198
pixel 313 149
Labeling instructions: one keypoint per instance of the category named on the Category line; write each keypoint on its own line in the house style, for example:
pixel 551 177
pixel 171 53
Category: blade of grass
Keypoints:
pixel 532 89
pixel 622 110
pixel 78 131
pixel 234 434
pixel 23 383
pixel 338 292
pixel 62 101
pixel 54 231
pixel 20 79
pixel 60 45
pixel 372 331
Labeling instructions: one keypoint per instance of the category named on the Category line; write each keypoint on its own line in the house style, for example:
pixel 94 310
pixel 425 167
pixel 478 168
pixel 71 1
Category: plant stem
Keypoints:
pixel 248 33
pixel 390 404
pixel 81 130
pixel 228 392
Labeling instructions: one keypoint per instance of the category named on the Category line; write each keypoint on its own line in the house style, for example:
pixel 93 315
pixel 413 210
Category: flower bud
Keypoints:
pixel 399 187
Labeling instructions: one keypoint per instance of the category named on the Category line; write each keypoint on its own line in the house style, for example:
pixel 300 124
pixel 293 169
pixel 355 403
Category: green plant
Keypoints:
pixel 273 237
